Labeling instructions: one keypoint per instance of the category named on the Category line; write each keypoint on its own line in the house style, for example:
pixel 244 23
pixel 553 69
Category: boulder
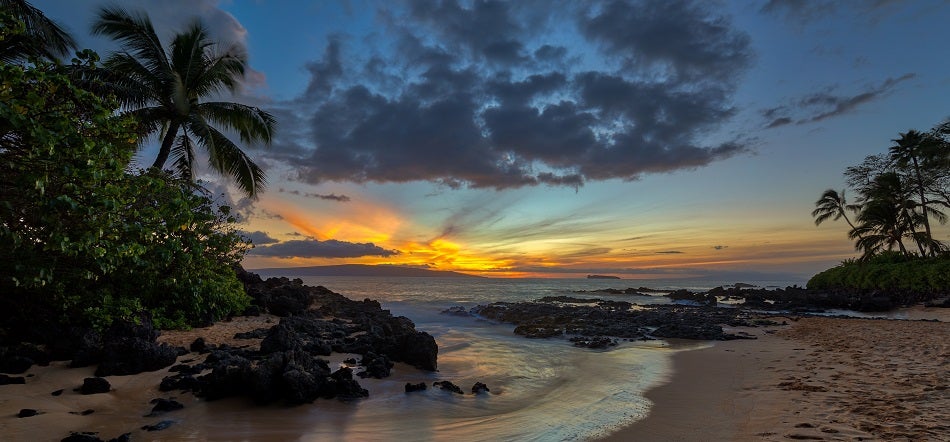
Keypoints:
pixel 159 426
pixel 199 346
pixel 130 348
pixel 480 388
pixel 344 387
pixel 415 387
pixel 11 380
pixel 95 386
pixel 375 366
pixel 448 386
pixel 15 364
pixel 27 412
pixel 163 406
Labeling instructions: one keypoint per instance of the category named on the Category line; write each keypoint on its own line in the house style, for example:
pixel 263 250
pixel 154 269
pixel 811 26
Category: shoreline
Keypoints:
pixel 817 379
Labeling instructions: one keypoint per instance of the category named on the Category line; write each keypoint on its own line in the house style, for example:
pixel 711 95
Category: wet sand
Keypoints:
pixel 818 379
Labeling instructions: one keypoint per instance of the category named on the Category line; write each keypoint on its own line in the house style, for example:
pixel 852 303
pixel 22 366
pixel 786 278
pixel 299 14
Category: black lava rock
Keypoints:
pixel 10 380
pixel 410 388
pixel 159 426
pixel 82 437
pixel 199 346
pixel 15 364
pixel 448 386
pixel 27 412
pixel 164 406
pixel 95 386
pixel 130 348
pixel 375 366
pixel 479 388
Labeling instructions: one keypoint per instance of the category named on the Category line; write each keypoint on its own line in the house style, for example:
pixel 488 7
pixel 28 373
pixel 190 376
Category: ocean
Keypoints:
pixel 541 389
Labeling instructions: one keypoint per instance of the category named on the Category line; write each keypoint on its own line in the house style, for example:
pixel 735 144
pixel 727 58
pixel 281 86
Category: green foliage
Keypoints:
pixel 87 241
pixel 887 271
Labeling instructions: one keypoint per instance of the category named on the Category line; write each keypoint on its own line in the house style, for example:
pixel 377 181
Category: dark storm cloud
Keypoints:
pixel 681 35
pixel 257 237
pixel 311 248
pixel 827 104
pixel 488 95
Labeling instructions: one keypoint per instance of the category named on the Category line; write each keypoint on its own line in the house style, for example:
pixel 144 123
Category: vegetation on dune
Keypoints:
pixel 84 240
pixel 901 194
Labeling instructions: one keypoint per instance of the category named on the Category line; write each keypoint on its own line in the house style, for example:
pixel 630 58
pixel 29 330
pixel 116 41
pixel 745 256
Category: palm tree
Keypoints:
pixel 833 205
pixel 909 152
pixel 40 36
pixel 887 217
pixel 163 91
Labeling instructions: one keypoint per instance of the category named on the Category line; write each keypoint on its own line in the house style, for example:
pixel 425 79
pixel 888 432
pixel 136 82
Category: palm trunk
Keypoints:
pixel 923 204
pixel 166 148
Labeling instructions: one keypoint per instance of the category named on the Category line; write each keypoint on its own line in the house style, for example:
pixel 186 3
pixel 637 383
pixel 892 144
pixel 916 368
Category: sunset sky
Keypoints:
pixel 561 138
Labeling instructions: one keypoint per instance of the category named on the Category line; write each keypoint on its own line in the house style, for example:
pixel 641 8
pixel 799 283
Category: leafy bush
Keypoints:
pixel 888 271
pixel 85 240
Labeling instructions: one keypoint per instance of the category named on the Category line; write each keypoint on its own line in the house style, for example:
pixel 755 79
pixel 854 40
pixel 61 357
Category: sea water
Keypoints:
pixel 541 389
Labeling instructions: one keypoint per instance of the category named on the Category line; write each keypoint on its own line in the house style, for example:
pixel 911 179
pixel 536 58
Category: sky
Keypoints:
pixel 547 138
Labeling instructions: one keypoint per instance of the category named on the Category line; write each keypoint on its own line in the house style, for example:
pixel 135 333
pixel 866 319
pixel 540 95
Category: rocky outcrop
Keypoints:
pixel 448 386
pixel 287 366
pixel 95 386
pixel 597 323
pixel 130 348
pixel 480 388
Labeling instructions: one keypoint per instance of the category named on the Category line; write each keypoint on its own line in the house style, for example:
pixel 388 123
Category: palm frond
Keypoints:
pixel 134 31
pixel 44 37
pixel 227 159
pixel 183 157
pixel 251 123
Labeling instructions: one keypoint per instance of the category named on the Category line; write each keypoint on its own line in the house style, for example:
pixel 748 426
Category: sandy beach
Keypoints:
pixel 815 379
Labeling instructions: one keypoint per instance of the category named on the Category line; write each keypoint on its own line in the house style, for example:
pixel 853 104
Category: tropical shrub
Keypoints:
pixel 82 239
pixel 887 271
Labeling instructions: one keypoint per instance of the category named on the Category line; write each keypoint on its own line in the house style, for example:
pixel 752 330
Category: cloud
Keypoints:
pixel 257 237
pixel 311 248
pixel 818 106
pixel 322 196
pixel 803 12
pixel 489 95
pixel 720 247
pixel 670 252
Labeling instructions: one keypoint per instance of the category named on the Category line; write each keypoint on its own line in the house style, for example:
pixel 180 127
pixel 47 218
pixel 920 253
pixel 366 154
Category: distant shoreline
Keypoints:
pixel 360 270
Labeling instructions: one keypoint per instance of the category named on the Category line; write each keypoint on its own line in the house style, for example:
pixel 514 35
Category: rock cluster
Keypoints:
pixel 287 366
pixel 595 323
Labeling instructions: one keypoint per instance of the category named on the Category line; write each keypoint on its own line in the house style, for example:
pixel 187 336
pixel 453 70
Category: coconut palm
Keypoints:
pixel 910 150
pixel 833 205
pixel 40 36
pixel 887 217
pixel 163 90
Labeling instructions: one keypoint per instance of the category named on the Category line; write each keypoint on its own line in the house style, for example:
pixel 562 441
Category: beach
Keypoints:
pixel 817 379
pixel 814 379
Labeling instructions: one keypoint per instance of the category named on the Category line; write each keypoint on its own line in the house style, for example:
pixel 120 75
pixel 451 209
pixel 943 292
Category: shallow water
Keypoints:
pixel 541 389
